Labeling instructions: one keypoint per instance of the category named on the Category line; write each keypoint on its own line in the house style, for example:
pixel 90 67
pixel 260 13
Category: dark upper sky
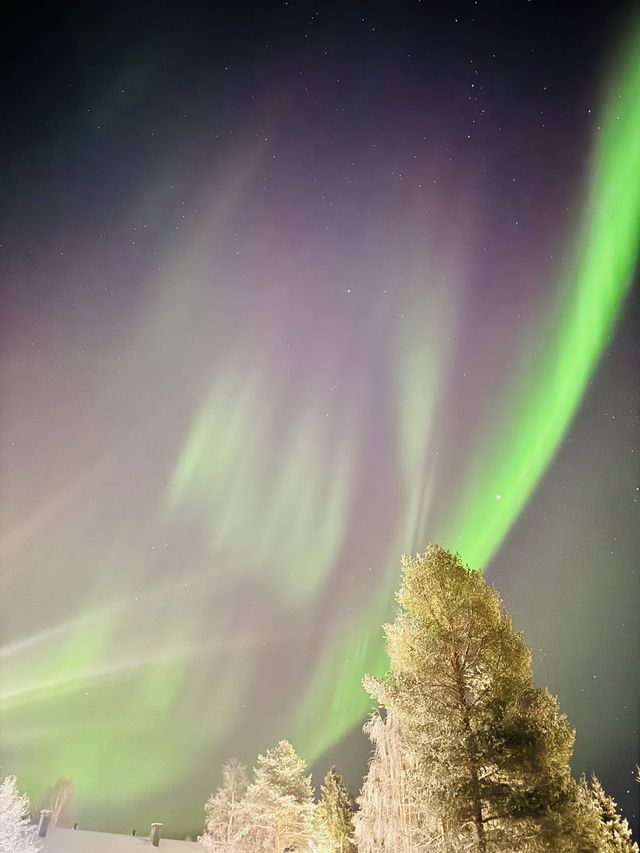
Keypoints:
pixel 280 284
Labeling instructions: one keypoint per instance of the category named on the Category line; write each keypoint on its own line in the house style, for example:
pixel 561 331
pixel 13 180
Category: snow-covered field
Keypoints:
pixel 82 841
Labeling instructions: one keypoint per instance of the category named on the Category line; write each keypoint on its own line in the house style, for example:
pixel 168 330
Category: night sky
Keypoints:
pixel 289 290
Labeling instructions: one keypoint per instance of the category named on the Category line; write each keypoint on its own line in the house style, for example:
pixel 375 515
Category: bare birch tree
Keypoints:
pixel 392 816
pixel 58 799
pixel 225 813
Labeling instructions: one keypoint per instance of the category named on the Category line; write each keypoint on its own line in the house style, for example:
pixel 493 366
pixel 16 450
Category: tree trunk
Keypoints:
pixel 478 820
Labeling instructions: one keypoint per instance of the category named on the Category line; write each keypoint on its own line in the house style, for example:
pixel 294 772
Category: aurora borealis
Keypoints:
pixel 288 292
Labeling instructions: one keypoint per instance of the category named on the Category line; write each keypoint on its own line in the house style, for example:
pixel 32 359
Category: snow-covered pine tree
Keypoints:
pixel 334 815
pixel 17 834
pixel 616 834
pixel 279 802
pixel 226 820
pixel 492 751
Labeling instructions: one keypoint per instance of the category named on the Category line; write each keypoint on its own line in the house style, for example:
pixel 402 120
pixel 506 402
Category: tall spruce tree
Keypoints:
pixel 491 750
pixel 334 815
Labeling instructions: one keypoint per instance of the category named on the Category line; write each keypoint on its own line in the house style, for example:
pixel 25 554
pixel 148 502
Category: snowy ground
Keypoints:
pixel 81 841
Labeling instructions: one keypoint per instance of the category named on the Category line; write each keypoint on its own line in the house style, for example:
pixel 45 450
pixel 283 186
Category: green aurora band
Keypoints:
pixel 549 392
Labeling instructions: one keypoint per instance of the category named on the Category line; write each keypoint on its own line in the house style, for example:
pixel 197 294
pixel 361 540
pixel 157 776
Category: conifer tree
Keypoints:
pixel 226 824
pixel 280 801
pixel 616 835
pixel 492 751
pixel 335 815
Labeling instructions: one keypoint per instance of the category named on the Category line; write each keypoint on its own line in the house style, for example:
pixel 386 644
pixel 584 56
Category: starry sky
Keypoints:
pixel 289 290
